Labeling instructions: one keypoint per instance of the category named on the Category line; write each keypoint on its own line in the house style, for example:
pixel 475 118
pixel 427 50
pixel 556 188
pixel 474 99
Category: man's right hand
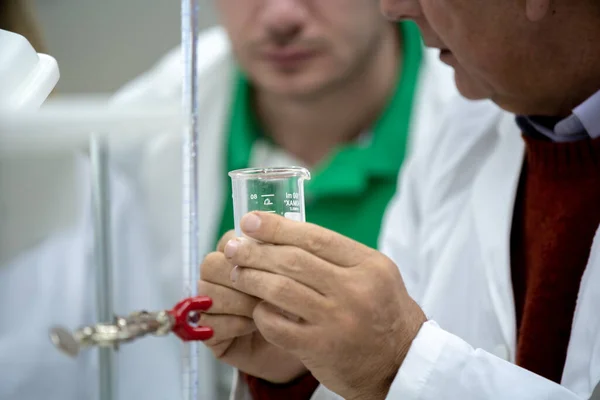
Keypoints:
pixel 236 340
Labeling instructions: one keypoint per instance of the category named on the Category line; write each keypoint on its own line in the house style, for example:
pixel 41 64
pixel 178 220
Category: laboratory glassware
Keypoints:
pixel 190 30
pixel 278 190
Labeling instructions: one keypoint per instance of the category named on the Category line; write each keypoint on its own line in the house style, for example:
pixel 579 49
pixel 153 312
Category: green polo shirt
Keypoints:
pixel 349 191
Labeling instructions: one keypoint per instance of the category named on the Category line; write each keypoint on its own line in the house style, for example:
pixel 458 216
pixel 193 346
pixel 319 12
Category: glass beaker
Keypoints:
pixel 276 190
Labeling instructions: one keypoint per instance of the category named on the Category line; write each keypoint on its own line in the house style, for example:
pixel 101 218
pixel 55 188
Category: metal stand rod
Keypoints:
pixel 103 261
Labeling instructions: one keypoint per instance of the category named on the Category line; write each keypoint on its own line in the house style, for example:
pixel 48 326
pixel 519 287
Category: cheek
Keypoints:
pixel 345 21
pixel 359 36
pixel 456 31
pixel 471 86
pixel 438 15
pixel 490 65
pixel 237 18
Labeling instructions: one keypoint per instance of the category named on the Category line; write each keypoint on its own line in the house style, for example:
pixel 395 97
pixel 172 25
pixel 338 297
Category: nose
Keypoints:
pixel 400 9
pixel 283 19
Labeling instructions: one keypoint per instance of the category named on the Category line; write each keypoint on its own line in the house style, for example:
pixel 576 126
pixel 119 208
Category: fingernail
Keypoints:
pixel 231 248
pixel 250 223
pixel 234 274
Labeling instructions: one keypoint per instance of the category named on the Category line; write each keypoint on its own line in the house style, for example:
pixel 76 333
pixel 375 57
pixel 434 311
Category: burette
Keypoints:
pixel 191 262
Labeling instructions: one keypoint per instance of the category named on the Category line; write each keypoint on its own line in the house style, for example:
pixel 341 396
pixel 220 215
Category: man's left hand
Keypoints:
pixel 346 312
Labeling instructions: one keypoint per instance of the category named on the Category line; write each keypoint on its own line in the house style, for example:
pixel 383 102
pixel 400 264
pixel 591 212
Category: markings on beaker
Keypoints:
pixel 267 195
pixel 268 202
pixel 294 216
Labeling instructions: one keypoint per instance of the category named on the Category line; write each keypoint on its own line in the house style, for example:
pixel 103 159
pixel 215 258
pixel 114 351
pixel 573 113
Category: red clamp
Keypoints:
pixel 182 315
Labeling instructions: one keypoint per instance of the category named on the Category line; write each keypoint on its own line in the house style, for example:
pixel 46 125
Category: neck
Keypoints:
pixel 576 60
pixel 310 128
pixel 586 85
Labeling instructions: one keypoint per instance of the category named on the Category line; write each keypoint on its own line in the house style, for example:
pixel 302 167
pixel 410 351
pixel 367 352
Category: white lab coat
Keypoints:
pixel 158 163
pixel 448 230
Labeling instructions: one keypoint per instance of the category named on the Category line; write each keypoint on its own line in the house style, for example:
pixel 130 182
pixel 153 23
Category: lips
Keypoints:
pixel 288 57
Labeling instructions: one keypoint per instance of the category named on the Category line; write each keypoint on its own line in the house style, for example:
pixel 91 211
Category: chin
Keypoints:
pixel 518 109
pixel 473 95
pixel 297 87
pixel 470 87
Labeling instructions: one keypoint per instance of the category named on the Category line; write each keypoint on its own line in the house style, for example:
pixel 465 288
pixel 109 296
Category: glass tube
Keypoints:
pixel 189 38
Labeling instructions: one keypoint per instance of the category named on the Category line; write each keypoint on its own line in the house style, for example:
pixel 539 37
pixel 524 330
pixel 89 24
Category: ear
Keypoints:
pixel 537 9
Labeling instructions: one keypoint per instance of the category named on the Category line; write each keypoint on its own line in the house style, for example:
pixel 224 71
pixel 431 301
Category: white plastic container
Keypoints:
pixel 26 77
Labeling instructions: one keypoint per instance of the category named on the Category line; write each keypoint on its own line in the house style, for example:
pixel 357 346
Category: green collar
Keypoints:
pixel 244 128
pixel 350 167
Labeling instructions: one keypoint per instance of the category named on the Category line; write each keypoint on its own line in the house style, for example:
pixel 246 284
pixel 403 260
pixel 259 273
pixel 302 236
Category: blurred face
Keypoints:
pixel 302 47
pixel 495 48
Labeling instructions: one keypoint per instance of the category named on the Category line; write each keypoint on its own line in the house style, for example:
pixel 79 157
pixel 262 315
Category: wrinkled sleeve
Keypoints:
pixel 440 365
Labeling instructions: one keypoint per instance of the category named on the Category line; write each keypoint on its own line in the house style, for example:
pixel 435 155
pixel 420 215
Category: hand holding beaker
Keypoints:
pixel 356 319
pixel 236 340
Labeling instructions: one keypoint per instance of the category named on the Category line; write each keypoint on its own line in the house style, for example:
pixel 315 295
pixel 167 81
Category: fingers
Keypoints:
pixel 289 261
pixel 227 301
pixel 215 268
pixel 278 329
pixel 226 327
pixel 283 292
pixel 321 242
pixel 223 241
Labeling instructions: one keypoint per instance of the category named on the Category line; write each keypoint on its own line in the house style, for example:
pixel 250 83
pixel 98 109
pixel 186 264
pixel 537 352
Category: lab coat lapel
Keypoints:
pixel 493 200
pixel 582 367
pixel 214 113
pixel 161 167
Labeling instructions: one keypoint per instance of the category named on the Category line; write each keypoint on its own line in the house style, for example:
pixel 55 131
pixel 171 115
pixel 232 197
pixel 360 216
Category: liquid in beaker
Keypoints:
pixel 273 190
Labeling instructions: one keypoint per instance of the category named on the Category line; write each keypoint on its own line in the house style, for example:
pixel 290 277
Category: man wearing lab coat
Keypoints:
pixel 490 290
pixel 289 83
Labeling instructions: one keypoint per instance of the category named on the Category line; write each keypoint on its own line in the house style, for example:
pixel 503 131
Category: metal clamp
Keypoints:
pixel 180 320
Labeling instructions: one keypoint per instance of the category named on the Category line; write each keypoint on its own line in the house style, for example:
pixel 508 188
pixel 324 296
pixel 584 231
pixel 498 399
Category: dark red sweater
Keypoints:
pixel 301 389
pixel 557 212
